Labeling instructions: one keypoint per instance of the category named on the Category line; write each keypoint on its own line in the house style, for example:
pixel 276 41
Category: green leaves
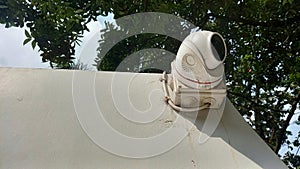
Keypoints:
pixel 287 1
pixel 33 44
pixel 27 34
pixel 26 41
pixel 28 37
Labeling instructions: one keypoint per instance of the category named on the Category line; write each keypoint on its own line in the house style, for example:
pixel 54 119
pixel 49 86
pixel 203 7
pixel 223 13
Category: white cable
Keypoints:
pixel 177 108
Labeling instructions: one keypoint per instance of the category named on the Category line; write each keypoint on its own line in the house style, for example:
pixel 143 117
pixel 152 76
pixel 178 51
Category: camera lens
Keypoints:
pixel 218 47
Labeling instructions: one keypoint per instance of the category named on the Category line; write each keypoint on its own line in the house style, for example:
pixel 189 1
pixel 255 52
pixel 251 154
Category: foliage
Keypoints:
pixel 79 66
pixel 136 42
pixel 55 26
pixel 262 67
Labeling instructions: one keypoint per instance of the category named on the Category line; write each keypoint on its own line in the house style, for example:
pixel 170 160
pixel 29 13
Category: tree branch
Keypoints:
pixel 286 123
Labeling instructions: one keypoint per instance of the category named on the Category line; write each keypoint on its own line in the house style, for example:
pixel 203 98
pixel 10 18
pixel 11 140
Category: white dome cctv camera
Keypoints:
pixel 198 79
pixel 199 61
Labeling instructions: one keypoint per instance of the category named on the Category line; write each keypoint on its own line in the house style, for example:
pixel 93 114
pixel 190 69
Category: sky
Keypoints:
pixel 14 54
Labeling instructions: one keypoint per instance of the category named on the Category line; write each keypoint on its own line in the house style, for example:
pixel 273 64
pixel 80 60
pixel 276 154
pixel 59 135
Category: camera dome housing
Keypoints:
pixel 197 77
pixel 199 60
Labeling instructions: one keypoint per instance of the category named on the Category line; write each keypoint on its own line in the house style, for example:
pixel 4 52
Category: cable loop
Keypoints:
pixel 170 102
